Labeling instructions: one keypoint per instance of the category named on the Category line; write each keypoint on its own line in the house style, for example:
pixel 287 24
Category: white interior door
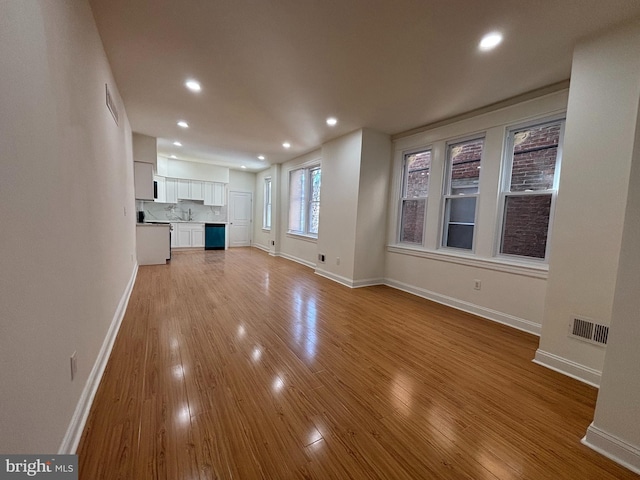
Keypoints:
pixel 240 208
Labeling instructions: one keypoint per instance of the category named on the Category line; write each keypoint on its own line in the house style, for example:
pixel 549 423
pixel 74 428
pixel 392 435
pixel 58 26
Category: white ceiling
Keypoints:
pixel 274 70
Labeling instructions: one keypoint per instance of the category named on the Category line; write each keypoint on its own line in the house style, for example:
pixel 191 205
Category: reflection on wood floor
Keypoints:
pixel 235 364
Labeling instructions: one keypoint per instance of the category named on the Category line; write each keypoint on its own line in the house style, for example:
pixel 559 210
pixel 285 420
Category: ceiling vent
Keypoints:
pixel 589 331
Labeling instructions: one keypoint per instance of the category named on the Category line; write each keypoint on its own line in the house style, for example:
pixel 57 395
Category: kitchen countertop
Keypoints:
pixel 156 222
pixel 153 224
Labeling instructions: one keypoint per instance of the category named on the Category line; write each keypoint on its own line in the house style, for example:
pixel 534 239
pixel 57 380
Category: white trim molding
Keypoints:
pixel 73 435
pixel 348 282
pixel 567 367
pixel 259 246
pixel 526 269
pixel 500 317
pixel 295 259
pixel 613 447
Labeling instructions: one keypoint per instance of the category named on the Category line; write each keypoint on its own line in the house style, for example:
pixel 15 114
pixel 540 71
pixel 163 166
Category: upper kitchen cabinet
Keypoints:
pixel 214 194
pixel 161 196
pixel 190 190
pixel 143 180
pixel 171 190
pixel 144 149
pixel 184 189
pixel 197 190
pixel 144 163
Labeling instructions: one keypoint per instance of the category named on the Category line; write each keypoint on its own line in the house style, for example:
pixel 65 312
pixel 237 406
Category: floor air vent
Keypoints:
pixel 589 331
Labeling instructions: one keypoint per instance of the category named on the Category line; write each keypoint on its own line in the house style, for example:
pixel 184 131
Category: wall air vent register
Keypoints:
pixel 588 331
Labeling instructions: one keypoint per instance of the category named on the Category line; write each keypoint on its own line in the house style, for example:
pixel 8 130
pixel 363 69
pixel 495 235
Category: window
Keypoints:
pixel 530 183
pixel 304 201
pixel 461 193
pixel 413 204
pixel 266 214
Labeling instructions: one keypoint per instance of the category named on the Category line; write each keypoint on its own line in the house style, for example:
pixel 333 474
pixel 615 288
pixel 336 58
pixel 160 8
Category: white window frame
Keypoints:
pixel 266 211
pixel 403 195
pixel 306 201
pixel 447 196
pixel 505 187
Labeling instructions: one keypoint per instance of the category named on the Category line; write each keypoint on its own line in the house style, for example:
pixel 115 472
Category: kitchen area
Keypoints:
pixel 180 204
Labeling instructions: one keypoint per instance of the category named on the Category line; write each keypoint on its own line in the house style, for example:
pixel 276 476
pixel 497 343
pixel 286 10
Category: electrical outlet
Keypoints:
pixel 125 211
pixel 337 260
pixel 477 284
pixel 74 365
pixel 273 243
pixel 321 257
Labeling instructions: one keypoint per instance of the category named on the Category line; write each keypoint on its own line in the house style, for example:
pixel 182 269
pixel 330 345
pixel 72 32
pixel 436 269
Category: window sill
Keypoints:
pixel 301 236
pixel 266 230
pixel 524 268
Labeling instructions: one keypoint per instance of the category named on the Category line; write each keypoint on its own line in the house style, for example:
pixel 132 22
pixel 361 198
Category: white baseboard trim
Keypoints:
pixel 72 438
pixel 504 318
pixel 347 282
pixel 261 247
pixel 296 259
pixel 613 447
pixel 567 367
pixel 367 282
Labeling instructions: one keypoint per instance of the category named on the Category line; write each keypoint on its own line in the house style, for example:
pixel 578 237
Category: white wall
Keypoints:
pixel 66 178
pixel 615 429
pixel 240 181
pixel 339 205
pixel 585 246
pixel 192 170
pixel 512 292
pixel 373 194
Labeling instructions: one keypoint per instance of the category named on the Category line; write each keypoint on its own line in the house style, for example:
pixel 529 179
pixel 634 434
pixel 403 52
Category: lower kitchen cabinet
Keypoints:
pixel 174 235
pixel 152 244
pixel 190 234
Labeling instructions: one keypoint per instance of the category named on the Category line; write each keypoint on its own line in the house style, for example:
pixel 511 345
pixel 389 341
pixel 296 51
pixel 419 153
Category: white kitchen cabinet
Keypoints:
pixel 190 189
pixel 143 180
pixel 190 234
pixel 197 236
pixel 162 189
pixel 174 235
pixel 184 236
pixel 184 190
pixel 196 190
pixel 214 194
pixel 171 190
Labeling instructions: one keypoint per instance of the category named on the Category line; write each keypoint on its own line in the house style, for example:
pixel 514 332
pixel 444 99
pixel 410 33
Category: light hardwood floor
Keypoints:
pixel 239 365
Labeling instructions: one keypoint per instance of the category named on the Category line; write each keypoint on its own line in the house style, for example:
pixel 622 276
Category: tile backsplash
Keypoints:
pixel 162 212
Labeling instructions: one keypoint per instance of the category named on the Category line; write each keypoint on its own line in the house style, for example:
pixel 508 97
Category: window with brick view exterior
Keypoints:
pixel 529 193
pixel 415 189
pixel 461 193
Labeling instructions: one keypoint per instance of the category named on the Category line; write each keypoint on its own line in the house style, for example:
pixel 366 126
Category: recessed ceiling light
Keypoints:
pixel 331 121
pixel 173 156
pixel 193 85
pixel 183 124
pixel 286 145
pixel 260 157
pixel 243 166
pixel 490 41
pixel 177 144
